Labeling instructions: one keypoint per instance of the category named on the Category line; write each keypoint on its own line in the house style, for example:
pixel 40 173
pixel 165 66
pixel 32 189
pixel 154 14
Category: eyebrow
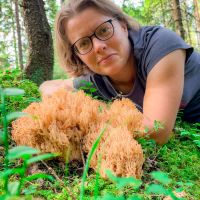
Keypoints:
pixel 93 30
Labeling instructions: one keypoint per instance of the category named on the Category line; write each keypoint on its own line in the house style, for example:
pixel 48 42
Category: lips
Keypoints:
pixel 105 58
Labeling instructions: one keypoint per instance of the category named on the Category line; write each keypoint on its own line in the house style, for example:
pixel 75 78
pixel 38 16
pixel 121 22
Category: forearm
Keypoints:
pixel 49 87
pixel 156 130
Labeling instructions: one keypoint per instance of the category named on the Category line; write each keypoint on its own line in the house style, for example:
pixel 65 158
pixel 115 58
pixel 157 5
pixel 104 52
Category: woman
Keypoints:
pixel 150 65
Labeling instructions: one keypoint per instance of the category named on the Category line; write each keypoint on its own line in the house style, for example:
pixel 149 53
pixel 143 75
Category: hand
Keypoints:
pixel 47 88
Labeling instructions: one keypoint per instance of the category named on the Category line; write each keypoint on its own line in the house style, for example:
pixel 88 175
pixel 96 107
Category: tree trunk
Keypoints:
pixel 1 11
pixel 197 19
pixel 14 37
pixel 163 13
pixel 178 18
pixel 187 21
pixel 61 2
pixel 19 40
pixel 40 59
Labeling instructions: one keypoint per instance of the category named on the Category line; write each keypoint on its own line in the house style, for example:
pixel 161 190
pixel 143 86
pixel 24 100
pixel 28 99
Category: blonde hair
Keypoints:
pixel 66 56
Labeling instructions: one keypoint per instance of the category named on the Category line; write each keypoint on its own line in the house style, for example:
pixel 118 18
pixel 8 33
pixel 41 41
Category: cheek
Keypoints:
pixel 122 45
pixel 121 40
pixel 88 59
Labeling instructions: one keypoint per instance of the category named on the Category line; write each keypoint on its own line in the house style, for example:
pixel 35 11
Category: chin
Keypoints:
pixel 114 71
pixel 112 74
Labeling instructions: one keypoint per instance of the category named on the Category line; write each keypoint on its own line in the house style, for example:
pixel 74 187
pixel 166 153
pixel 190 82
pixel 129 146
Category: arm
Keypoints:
pixel 47 88
pixel 163 94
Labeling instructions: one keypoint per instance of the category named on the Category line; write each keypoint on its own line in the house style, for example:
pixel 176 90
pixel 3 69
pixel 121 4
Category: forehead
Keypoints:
pixel 84 23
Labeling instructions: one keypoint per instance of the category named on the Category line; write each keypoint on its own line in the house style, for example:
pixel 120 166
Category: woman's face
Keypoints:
pixel 107 57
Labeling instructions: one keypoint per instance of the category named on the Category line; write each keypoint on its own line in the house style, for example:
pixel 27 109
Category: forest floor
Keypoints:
pixel 179 159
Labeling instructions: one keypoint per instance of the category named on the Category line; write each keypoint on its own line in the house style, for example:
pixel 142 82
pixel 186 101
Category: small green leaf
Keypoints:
pixel 111 197
pixel 197 142
pixel 189 184
pixel 88 84
pixel 196 135
pixel 122 182
pixel 21 152
pixel 161 177
pixel 39 176
pixel 178 190
pixel 15 115
pixel 158 125
pixel 29 190
pixel 13 91
pixel 9 172
pixel 134 197
pixel 13 187
pixel 184 133
pixel 1 107
pixel 93 90
pixel 157 189
pixel 100 109
pixel 40 157
pixel 146 130
pixel 32 99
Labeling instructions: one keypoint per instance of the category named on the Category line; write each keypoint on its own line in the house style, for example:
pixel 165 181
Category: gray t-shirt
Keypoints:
pixel 150 44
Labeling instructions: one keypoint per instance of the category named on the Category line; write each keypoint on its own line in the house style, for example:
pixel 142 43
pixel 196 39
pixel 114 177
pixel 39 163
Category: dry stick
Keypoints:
pixel 82 156
pixel 51 170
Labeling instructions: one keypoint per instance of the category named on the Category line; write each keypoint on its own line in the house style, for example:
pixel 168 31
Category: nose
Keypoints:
pixel 99 45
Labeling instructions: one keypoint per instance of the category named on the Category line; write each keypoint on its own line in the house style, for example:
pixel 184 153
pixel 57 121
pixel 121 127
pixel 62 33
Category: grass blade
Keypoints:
pixel 13 91
pixel 21 151
pixel 39 176
pixel 15 115
pixel 41 157
pixel 161 177
pixel 94 147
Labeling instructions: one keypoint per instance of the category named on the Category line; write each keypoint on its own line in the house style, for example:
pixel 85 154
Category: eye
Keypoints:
pixel 83 43
pixel 104 30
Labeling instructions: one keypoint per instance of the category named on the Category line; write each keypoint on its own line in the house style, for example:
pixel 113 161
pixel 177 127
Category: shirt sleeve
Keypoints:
pixel 161 43
pixel 89 85
pixel 81 81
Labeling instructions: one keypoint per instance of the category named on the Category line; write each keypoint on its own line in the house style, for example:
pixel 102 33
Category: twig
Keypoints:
pixel 51 170
pixel 82 156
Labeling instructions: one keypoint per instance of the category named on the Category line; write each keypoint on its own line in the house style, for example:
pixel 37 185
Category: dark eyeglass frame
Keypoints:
pixel 94 34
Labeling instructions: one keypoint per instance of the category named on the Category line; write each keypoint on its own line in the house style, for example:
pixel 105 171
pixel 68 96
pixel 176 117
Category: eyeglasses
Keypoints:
pixel 103 32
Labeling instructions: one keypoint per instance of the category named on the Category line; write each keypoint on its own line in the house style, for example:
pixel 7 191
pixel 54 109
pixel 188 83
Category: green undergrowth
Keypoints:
pixel 179 159
pixel 14 79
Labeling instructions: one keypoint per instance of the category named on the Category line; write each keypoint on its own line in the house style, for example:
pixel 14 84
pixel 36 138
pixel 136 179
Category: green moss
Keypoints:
pixel 14 79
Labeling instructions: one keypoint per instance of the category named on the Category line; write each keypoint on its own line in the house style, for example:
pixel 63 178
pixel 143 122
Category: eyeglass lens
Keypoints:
pixel 103 32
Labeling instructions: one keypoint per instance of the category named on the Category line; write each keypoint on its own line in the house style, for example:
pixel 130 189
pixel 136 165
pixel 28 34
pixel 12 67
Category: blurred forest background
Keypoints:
pixel 27 30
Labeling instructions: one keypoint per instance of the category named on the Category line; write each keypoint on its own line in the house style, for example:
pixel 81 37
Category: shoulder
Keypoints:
pixel 82 80
pixel 146 35
pixel 152 43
